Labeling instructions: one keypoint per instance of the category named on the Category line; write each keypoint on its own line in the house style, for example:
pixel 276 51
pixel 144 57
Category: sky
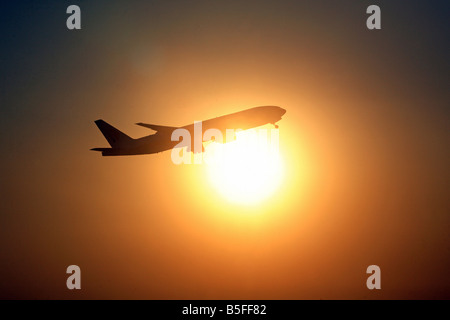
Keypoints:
pixel 364 142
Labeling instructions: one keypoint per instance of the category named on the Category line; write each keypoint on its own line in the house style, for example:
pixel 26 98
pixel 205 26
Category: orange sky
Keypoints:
pixel 364 140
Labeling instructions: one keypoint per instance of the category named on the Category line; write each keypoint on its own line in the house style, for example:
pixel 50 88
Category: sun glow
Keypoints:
pixel 247 170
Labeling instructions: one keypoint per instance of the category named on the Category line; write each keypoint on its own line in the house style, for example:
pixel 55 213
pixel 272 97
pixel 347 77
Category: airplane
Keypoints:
pixel 121 144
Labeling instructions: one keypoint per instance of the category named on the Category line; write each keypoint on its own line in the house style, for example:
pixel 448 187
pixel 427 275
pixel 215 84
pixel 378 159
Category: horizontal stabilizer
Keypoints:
pixel 156 127
pixel 101 149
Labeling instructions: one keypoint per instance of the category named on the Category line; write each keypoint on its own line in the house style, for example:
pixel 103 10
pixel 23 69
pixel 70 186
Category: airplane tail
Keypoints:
pixel 114 137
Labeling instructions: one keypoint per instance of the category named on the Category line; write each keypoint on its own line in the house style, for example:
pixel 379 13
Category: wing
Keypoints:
pixel 156 127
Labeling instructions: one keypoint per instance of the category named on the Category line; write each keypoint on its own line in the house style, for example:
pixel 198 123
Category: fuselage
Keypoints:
pixel 161 140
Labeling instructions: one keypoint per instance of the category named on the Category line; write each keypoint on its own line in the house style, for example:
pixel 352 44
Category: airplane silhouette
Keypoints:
pixel 122 145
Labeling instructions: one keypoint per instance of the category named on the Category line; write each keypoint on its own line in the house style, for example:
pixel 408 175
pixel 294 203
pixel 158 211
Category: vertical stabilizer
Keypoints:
pixel 115 137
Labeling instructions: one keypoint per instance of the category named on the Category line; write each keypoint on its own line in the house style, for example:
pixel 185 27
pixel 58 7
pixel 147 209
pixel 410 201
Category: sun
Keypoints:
pixel 247 170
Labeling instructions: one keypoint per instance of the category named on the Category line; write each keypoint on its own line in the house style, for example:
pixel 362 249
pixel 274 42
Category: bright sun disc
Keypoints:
pixel 247 170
